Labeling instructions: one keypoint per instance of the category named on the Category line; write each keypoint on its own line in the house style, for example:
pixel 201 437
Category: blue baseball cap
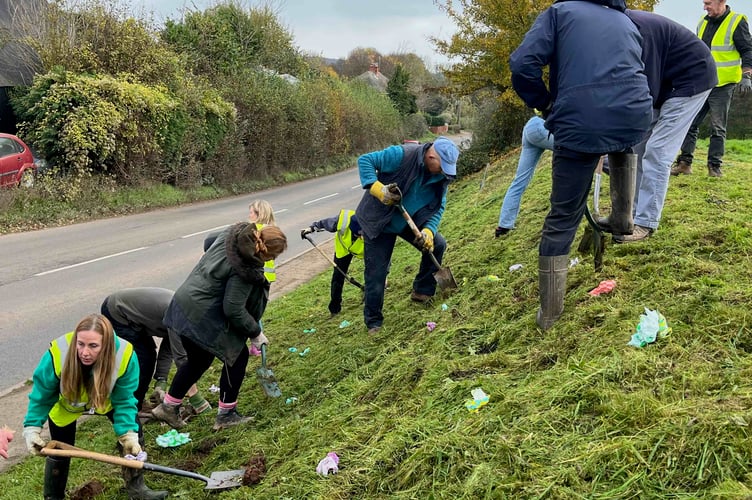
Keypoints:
pixel 448 153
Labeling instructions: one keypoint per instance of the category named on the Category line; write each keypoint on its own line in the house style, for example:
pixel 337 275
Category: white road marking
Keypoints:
pixel 91 261
pixel 319 199
pixel 356 186
pixel 204 231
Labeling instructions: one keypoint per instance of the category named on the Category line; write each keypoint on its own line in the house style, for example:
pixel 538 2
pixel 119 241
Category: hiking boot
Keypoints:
pixel 160 389
pixel 681 167
pixel 202 407
pixel 500 231
pixel 169 414
pixel 229 419
pixel 640 233
pixel 157 395
pixel 374 330
pixel 419 297
pixel 714 170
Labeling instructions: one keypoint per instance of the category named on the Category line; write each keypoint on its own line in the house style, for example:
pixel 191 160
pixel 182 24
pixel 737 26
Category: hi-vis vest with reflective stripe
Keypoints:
pixel 65 412
pixel 728 61
pixel 269 271
pixel 343 243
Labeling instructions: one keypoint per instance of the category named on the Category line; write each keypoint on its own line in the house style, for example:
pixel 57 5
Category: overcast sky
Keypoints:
pixel 332 28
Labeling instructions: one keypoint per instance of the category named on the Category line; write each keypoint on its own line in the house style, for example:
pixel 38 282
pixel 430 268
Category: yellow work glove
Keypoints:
pixel 129 442
pixel 427 239
pixel 388 195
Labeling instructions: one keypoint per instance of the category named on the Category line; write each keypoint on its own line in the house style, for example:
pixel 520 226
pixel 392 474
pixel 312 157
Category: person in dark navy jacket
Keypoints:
pixel 597 102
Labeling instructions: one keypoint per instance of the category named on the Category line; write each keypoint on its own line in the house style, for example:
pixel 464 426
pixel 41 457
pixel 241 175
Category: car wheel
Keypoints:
pixel 27 179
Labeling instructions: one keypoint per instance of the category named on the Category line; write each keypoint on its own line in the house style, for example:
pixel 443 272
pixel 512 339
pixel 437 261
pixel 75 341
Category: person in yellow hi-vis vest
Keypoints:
pixel 727 35
pixel 348 243
pixel 87 371
pixel 260 212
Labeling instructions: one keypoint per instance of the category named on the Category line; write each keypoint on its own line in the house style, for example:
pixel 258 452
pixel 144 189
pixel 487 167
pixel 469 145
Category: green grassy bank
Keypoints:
pixel 574 412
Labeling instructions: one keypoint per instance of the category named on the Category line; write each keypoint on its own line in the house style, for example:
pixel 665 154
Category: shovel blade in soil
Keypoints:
pixel 222 480
pixel 444 278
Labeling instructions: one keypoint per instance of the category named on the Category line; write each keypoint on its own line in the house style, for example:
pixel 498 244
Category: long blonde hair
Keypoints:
pixel 264 211
pixel 72 380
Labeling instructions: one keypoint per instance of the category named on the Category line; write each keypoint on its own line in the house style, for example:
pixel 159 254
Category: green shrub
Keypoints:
pixel 414 126
pixel 83 123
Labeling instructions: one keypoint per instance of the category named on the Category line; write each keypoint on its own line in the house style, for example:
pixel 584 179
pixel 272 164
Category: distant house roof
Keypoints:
pixel 374 78
pixel 18 61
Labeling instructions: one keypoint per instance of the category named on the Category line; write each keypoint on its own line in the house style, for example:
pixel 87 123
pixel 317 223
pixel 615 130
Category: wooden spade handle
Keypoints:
pixel 409 220
pixel 418 234
pixel 58 449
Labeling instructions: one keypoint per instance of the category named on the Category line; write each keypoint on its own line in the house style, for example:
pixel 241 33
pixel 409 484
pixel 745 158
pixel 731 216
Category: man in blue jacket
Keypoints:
pixel 416 175
pixel 597 102
pixel 681 73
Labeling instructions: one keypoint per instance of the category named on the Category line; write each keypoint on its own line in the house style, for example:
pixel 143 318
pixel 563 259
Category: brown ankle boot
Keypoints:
pixel 714 170
pixel 681 167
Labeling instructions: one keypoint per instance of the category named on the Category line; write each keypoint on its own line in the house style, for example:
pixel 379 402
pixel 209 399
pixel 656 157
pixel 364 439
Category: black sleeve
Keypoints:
pixel 743 43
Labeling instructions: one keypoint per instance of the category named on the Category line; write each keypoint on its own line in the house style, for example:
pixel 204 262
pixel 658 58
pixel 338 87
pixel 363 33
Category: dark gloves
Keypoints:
pixel 745 85
pixel 305 232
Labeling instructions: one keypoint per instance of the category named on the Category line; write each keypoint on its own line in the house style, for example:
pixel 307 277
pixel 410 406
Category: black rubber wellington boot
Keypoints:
pixel 552 284
pixel 55 477
pixel 623 180
pixel 137 489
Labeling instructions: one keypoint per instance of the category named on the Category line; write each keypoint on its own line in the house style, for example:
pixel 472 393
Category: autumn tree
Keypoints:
pixel 488 31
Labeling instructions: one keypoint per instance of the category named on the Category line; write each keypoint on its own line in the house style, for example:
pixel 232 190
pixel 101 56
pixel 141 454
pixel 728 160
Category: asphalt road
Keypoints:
pixel 51 278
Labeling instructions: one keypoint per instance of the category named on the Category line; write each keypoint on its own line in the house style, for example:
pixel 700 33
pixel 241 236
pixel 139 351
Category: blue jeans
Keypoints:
pixel 378 255
pixel 717 105
pixel 535 139
pixel 572 174
pixel 670 124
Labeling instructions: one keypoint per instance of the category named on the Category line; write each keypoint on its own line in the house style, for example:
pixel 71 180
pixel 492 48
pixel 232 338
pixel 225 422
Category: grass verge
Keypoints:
pixel 574 412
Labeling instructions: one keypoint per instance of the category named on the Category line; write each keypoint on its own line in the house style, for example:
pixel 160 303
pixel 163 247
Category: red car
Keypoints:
pixel 17 163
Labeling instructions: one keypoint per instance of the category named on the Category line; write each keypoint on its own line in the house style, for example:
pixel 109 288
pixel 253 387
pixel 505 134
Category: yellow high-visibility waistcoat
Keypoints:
pixel 728 61
pixel 269 271
pixel 65 412
pixel 343 243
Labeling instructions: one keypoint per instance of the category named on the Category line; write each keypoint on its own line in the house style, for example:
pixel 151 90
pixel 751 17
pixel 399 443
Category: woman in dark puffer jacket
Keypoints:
pixel 215 310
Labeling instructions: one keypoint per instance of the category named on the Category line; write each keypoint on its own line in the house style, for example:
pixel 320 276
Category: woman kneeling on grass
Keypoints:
pixel 87 371
pixel 215 311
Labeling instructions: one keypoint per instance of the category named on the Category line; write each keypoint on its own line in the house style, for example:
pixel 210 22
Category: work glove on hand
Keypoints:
pixel 6 436
pixel 427 239
pixel 305 232
pixel 34 441
pixel 129 442
pixel 388 195
pixel 258 340
pixel 745 85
